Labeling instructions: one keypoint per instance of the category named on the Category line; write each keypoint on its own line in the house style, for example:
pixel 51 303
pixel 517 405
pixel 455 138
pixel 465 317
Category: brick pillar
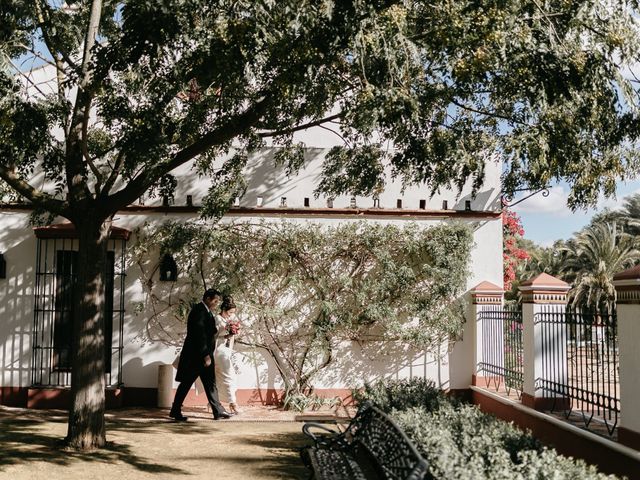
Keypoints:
pixel 484 296
pixel 627 286
pixel 547 294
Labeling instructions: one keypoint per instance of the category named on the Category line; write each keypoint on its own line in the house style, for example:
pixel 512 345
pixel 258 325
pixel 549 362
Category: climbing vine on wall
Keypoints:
pixel 303 289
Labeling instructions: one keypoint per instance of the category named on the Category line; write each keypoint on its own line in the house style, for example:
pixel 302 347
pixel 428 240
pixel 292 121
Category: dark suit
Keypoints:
pixel 201 330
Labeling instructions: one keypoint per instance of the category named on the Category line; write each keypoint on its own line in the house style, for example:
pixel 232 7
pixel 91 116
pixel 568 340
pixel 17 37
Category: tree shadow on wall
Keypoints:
pixel 356 363
pixel 367 362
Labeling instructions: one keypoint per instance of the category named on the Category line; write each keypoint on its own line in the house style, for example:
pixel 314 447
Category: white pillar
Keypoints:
pixel 627 286
pixel 543 295
pixel 484 297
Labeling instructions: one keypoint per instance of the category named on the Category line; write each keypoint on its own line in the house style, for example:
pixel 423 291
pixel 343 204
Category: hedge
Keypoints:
pixel 461 442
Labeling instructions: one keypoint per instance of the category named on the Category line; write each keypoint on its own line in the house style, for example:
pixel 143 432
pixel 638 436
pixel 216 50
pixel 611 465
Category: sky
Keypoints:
pixel 546 219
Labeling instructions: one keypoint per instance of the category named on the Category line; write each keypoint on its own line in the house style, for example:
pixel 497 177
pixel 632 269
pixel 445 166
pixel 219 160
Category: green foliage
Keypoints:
pixel 589 260
pixel 549 260
pixel 403 395
pixel 301 403
pixel 452 86
pixel 459 441
pixel 593 257
pixel 304 288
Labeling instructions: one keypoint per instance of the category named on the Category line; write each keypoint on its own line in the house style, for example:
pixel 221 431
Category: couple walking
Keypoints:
pixel 207 353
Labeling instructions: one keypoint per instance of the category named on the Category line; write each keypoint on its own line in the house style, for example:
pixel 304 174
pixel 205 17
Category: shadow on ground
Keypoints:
pixel 24 440
pixel 153 446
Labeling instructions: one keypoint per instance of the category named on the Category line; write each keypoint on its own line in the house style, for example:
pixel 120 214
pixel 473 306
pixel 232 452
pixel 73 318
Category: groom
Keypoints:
pixel 196 357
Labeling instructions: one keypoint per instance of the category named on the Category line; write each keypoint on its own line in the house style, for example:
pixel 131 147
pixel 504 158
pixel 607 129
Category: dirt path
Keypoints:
pixel 144 445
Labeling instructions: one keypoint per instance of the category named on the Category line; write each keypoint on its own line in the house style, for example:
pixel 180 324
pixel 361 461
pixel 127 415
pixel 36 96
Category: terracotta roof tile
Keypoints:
pixel 544 280
pixel 487 287
pixel 628 274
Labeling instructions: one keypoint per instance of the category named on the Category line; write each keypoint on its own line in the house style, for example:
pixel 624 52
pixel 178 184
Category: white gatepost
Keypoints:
pixel 627 284
pixel 544 300
pixel 484 297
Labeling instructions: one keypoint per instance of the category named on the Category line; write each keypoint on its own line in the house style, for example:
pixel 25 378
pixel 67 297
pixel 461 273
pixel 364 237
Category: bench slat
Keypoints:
pixel 334 465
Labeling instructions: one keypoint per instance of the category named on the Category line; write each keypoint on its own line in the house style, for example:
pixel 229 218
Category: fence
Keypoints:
pixel 580 365
pixel 574 366
pixel 502 353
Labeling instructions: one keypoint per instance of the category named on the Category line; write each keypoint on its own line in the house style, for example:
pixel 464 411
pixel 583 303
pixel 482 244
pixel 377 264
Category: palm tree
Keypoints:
pixel 592 258
pixel 631 214
pixel 549 260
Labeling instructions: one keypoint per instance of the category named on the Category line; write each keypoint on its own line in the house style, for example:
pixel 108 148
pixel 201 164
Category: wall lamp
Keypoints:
pixel 168 269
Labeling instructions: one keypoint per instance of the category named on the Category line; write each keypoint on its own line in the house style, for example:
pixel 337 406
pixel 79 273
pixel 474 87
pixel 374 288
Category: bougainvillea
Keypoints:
pixel 512 255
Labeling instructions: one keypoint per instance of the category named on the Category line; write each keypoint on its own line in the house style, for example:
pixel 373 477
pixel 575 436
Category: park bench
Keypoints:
pixel 371 447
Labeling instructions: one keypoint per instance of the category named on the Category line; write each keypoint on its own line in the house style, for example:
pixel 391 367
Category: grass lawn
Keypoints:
pixel 143 445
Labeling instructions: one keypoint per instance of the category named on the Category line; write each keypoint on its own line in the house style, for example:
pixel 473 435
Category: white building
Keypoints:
pixel 32 294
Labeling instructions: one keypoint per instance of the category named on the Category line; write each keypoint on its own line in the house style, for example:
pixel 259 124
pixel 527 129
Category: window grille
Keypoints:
pixel 55 281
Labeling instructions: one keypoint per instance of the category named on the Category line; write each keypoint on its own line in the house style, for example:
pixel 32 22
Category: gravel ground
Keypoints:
pixel 260 443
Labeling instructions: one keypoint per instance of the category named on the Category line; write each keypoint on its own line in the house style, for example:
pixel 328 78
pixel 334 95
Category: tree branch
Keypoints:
pixel 115 171
pixel 47 39
pixel 488 114
pixel 287 131
pixel 37 198
pixel 75 167
pixel 85 152
pixel 26 77
pixel 224 133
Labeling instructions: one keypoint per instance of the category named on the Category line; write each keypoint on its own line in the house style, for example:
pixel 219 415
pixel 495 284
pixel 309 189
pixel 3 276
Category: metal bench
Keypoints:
pixel 371 447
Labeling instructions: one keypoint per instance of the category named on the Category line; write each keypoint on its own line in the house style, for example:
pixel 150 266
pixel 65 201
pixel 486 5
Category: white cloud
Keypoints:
pixel 546 243
pixel 614 203
pixel 554 204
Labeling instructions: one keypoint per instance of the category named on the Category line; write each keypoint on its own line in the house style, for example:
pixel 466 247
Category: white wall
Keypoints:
pixel 141 356
pixel 18 244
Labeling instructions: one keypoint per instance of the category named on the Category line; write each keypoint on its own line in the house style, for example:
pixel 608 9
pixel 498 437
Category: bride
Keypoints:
pixel 227 326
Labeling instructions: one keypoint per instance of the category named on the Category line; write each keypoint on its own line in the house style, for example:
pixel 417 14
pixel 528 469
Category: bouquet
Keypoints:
pixel 233 327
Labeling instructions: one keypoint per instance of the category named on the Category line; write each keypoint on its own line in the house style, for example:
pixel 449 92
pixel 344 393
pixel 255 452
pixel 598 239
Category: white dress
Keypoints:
pixel 225 370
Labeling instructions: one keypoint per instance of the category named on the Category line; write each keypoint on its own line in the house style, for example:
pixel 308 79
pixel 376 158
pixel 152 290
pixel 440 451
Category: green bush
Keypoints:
pixel 461 442
pixel 403 394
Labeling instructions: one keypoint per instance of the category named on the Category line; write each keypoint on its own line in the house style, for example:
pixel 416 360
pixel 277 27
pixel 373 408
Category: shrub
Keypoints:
pixel 403 394
pixel 461 442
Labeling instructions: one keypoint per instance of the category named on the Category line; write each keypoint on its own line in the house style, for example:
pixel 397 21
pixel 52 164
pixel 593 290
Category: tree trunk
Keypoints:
pixel 86 428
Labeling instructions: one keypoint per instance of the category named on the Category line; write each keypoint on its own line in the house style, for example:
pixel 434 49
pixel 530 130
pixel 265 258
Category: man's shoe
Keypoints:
pixel 222 416
pixel 178 417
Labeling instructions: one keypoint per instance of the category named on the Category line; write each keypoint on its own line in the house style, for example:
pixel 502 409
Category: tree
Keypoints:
pixel 629 217
pixel 547 260
pixel 303 289
pixel 593 257
pixel 145 86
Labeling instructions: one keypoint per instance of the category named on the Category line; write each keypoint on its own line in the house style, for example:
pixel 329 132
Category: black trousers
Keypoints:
pixel 208 377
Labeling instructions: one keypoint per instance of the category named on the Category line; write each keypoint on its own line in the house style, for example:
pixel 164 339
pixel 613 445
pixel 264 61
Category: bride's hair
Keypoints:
pixel 227 304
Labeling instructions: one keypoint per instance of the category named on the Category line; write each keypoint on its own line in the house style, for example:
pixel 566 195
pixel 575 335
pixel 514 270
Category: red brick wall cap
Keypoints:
pixel 67 230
